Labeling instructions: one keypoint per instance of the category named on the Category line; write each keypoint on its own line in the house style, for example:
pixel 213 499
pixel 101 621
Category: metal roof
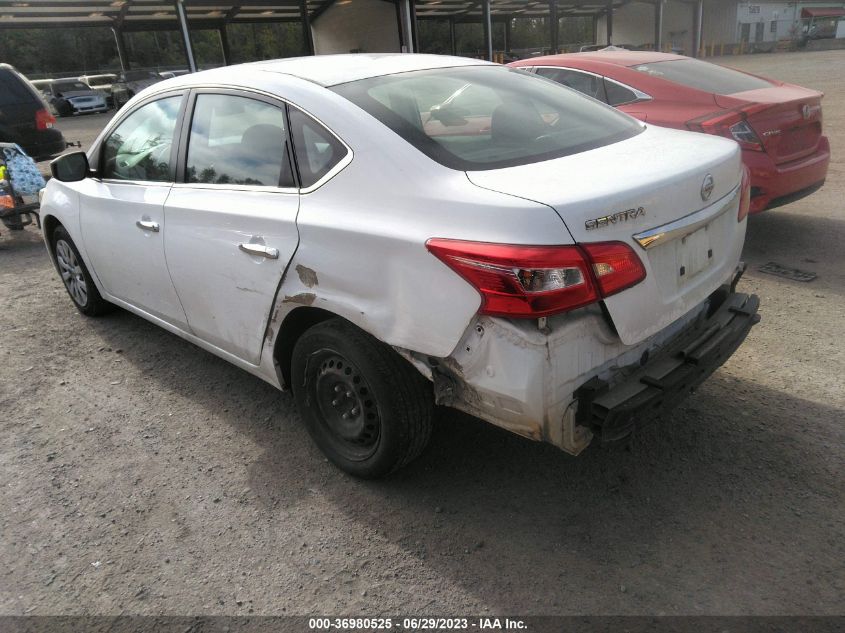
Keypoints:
pixel 131 15
pixel 512 8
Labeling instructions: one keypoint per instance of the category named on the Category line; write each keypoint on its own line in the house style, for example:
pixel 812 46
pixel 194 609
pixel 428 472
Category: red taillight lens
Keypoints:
pixel 44 120
pixel 535 281
pixel 615 266
pixel 744 195
pixel 733 124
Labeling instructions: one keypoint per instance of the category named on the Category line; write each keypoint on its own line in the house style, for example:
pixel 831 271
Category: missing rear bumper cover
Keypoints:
pixel 664 381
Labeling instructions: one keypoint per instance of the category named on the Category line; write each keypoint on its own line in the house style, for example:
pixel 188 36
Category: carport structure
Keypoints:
pixel 124 16
pixel 489 12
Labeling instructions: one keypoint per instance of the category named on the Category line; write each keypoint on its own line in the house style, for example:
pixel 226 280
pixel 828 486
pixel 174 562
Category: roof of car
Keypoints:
pixel 620 58
pixel 330 70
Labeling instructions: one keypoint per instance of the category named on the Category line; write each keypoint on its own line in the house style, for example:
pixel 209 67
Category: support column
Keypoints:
pixel 224 45
pixel 508 23
pixel 305 19
pixel 697 16
pixel 453 41
pixel 609 22
pixel 406 17
pixel 186 35
pixel 488 29
pixel 553 26
pixel 658 25
pixel 121 49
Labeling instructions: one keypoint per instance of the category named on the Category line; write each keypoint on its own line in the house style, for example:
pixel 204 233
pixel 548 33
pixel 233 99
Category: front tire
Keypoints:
pixel 75 276
pixel 367 408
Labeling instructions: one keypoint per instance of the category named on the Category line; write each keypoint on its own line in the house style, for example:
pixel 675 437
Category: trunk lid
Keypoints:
pixel 786 118
pixel 651 181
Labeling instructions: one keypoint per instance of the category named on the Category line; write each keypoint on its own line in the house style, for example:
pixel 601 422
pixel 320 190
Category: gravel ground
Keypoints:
pixel 141 475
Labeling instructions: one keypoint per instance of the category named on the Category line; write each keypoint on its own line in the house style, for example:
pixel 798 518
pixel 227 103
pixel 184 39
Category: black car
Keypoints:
pixel 25 118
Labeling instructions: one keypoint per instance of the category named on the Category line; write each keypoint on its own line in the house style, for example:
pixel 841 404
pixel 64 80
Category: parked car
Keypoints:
pixel 131 82
pixel 25 117
pixel 383 232
pixel 102 84
pixel 777 125
pixel 71 96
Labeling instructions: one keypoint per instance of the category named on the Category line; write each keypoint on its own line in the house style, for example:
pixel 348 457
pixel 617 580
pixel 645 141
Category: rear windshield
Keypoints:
pixel 14 89
pixel 69 86
pixel 703 76
pixel 487 117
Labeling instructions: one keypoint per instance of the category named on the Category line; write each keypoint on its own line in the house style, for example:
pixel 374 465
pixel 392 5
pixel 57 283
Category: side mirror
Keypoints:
pixel 71 167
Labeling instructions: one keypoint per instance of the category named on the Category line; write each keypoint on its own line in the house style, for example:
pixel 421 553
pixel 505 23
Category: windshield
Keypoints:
pixel 100 81
pixel 487 117
pixel 137 75
pixel 69 86
pixel 703 76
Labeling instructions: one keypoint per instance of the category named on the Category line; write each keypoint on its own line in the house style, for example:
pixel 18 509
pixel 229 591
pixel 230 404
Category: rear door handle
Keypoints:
pixel 147 225
pixel 258 249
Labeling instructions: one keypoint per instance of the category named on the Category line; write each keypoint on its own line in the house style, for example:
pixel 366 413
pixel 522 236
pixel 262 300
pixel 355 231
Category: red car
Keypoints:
pixel 778 125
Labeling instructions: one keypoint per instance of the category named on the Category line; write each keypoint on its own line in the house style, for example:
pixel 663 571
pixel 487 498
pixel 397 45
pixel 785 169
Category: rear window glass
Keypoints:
pixel 487 117
pixel 14 89
pixel 703 76
pixel 69 86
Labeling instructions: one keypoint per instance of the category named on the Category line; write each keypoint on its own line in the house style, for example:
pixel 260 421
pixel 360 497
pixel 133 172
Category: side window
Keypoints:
pixel 618 94
pixel 238 141
pixel 139 148
pixel 317 149
pixel 589 85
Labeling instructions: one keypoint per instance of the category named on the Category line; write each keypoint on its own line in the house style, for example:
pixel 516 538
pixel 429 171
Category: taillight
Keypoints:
pixel 615 265
pixel 43 119
pixel 535 281
pixel 732 124
pixel 744 195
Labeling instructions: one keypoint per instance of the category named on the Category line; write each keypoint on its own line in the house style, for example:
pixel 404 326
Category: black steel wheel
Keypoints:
pixel 364 405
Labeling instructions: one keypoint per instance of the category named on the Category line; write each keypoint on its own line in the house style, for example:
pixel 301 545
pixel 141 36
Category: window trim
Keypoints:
pixel 641 96
pixel 185 136
pixel 100 147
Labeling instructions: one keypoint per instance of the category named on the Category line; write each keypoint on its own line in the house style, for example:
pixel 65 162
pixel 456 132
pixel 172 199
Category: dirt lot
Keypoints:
pixel 143 475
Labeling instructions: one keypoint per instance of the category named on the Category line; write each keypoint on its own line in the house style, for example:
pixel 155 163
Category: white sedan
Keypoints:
pixel 381 233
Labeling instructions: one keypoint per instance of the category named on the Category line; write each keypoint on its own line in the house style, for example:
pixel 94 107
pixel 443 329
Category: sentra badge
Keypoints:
pixel 618 217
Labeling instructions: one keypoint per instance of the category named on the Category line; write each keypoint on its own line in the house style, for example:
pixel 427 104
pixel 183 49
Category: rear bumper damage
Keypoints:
pixel 571 379
pixel 656 388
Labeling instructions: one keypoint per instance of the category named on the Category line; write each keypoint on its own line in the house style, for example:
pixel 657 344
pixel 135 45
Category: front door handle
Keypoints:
pixel 147 225
pixel 258 249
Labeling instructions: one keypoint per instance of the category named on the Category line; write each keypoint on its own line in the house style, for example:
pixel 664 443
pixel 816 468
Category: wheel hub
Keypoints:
pixel 345 402
pixel 71 273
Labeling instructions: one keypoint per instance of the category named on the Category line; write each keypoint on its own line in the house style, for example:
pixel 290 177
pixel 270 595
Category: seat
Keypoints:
pixel 516 122
pixel 258 157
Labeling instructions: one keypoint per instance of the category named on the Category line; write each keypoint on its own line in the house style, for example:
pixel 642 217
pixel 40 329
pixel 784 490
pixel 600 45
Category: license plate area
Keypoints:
pixel 694 254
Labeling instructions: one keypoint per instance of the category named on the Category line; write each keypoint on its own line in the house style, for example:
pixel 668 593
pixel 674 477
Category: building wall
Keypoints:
pixel 634 24
pixel 368 26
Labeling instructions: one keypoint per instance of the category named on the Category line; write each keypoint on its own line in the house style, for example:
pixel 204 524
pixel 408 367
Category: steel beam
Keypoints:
pixel 186 35
pixel 553 26
pixel 488 29
pixel 658 25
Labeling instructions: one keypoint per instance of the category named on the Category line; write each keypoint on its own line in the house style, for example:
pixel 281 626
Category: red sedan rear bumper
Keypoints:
pixel 773 185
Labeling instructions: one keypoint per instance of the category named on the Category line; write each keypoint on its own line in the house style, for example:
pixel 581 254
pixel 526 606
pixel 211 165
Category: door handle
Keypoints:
pixel 147 225
pixel 258 249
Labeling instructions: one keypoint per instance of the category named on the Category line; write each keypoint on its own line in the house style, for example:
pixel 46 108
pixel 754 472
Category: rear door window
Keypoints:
pixel 238 140
pixel 590 85
pixel 700 75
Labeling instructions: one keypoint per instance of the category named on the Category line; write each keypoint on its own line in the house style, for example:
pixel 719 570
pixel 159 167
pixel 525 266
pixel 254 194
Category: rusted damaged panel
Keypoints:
pixel 307 276
pixel 303 298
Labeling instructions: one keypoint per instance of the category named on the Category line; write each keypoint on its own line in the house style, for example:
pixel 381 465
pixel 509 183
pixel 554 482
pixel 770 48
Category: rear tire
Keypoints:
pixel 367 408
pixel 75 276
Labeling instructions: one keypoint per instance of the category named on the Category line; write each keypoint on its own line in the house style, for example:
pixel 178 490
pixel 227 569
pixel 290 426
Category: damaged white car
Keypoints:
pixel 381 233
